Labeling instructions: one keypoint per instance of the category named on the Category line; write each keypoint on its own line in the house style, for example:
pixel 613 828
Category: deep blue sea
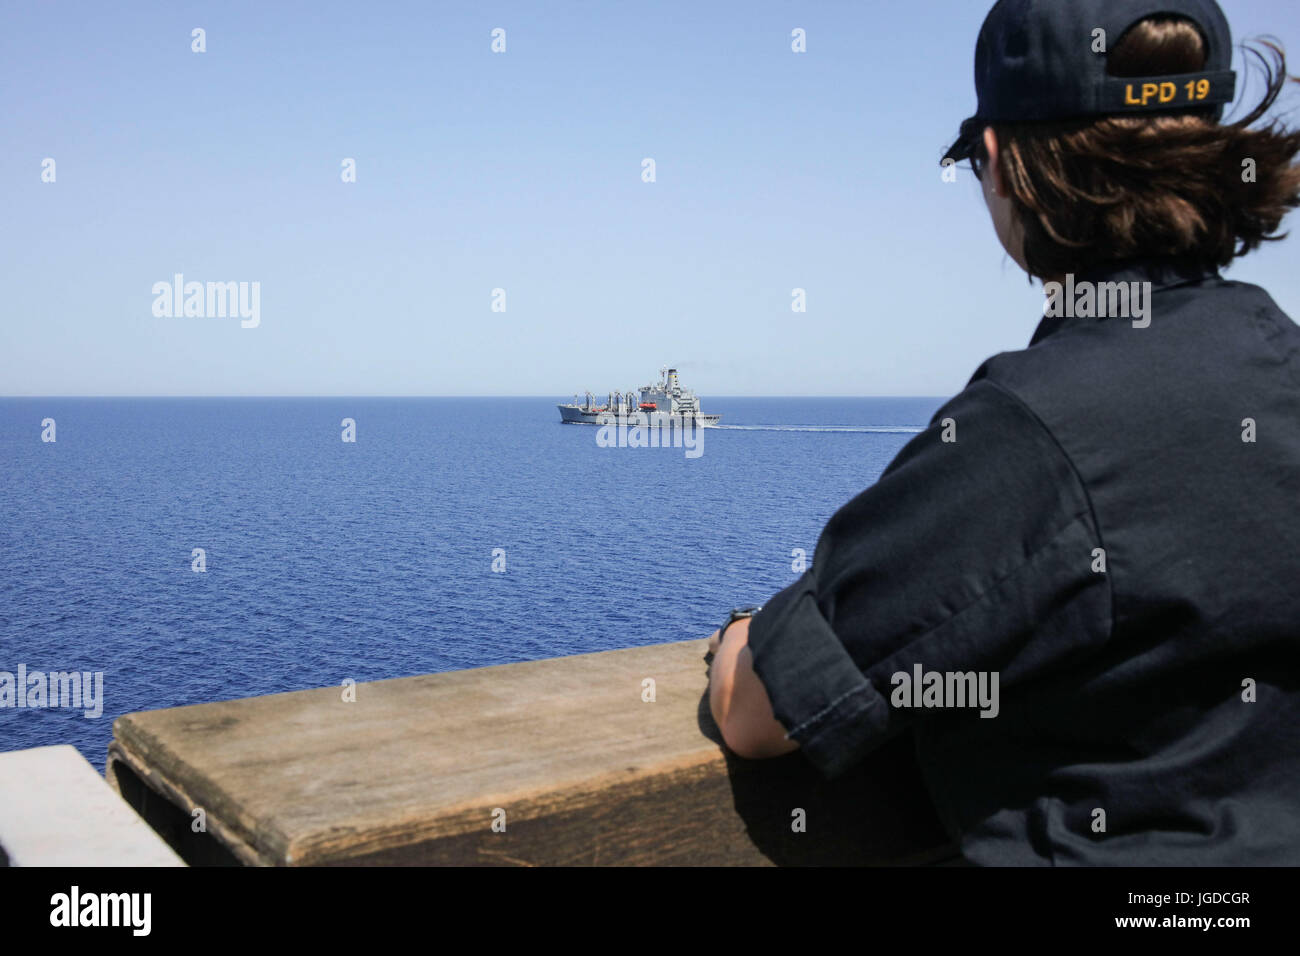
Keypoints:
pixel 328 560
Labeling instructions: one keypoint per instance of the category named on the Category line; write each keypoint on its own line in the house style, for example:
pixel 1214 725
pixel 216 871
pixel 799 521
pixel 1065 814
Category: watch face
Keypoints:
pixel 742 612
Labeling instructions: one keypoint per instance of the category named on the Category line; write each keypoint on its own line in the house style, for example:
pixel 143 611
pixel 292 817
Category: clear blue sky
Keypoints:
pixel 520 170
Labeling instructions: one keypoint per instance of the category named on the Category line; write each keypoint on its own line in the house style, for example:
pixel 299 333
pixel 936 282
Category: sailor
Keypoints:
pixel 1105 521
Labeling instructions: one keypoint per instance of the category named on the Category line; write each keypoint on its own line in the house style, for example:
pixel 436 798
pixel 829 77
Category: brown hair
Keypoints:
pixel 1173 185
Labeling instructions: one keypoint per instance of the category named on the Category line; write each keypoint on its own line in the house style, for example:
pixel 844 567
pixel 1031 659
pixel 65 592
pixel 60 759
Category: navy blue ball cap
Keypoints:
pixel 1035 62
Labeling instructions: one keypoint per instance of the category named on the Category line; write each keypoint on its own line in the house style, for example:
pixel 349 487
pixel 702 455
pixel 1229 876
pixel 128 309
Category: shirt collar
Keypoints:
pixel 1163 274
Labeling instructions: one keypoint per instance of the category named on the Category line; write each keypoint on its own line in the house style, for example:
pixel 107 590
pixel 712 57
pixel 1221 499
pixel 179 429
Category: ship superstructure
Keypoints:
pixel 662 403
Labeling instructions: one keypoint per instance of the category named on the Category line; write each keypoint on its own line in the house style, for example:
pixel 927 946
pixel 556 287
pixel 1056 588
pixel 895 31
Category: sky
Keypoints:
pixel 520 171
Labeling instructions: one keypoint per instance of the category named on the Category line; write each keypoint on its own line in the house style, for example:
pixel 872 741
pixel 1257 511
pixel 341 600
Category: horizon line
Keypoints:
pixel 463 396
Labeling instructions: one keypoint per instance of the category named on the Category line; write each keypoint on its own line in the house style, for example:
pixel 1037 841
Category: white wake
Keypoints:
pixel 845 429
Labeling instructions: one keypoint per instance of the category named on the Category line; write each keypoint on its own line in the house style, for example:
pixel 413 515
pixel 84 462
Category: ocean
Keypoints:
pixel 453 533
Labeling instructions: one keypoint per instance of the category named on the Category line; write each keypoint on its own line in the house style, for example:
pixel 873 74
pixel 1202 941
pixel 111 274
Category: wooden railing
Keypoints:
pixel 608 758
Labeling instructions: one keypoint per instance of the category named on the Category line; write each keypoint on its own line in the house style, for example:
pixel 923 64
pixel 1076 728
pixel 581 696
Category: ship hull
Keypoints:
pixel 577 415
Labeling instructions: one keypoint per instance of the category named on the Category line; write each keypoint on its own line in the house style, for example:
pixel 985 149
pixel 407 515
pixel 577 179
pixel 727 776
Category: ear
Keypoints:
pixel 995 177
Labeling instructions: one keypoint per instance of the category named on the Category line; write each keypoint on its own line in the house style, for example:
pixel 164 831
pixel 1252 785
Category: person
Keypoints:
pixel 1078 591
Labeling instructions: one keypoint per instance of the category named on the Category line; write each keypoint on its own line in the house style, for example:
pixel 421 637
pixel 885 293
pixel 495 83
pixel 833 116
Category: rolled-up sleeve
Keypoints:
pixel 968 554
pixel 817 691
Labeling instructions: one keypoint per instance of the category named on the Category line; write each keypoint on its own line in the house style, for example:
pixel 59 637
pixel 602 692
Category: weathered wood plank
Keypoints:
pixel 585 770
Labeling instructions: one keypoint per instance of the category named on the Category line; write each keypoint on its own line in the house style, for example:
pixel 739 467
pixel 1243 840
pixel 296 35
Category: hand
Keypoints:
pixel 738 700
pixel 715 642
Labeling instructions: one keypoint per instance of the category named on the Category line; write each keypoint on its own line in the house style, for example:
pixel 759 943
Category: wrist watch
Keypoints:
pixel 738 614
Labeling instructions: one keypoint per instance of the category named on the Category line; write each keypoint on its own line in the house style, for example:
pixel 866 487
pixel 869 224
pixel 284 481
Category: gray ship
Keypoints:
pixel 661 403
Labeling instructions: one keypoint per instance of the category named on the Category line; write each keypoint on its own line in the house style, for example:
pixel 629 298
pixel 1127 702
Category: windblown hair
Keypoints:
pixel 1173 185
